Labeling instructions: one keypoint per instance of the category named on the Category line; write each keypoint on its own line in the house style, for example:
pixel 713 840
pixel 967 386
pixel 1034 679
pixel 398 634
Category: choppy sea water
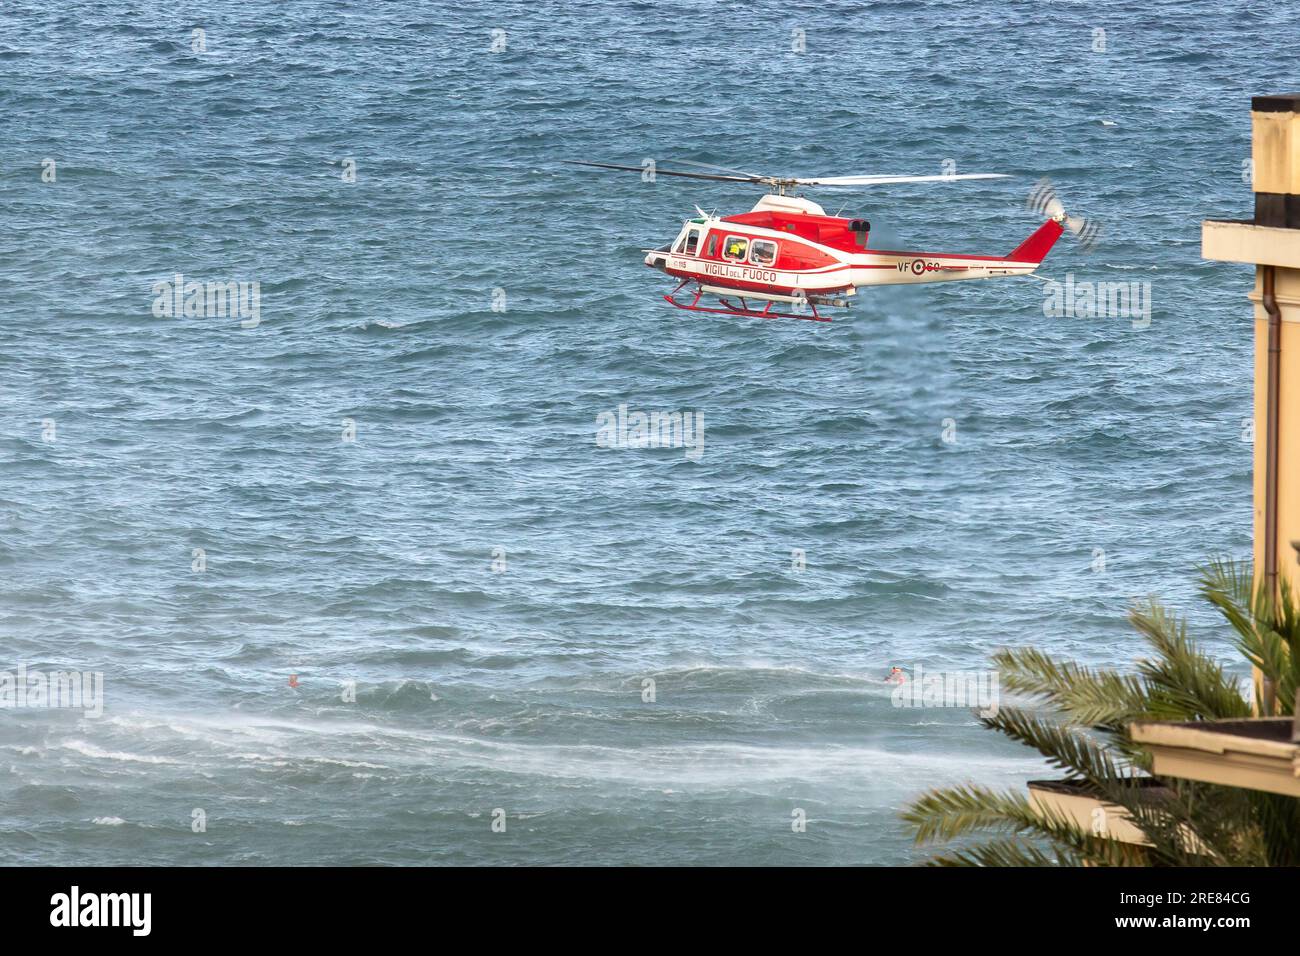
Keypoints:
pixel 180 510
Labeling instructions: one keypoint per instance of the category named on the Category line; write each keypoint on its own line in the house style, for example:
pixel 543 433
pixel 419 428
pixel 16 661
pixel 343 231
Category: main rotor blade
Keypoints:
pixel 668 172
pixel 717 168
pixel 877 180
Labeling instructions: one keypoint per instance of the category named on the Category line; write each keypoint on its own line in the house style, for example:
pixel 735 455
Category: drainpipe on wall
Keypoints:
pixel 1269 279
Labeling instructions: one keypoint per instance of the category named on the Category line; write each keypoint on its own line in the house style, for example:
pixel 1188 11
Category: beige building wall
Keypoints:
pixel 1271 242
pixel 1280 249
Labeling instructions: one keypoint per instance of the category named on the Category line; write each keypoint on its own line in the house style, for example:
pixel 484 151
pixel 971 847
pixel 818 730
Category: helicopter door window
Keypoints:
pixel 712 252
pixel 763 252
pixel 735 248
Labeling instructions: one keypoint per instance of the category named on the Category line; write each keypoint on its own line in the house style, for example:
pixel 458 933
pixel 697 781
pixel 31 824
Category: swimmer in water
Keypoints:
pixel 896 676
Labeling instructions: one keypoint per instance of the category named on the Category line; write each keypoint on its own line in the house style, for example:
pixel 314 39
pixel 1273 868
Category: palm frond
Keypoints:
pixel 958 811
pixel 1279 819
pixel 1183 683
pixel 1267 630
pixel 1006 851
pixel 1095 698
pixel 1065 747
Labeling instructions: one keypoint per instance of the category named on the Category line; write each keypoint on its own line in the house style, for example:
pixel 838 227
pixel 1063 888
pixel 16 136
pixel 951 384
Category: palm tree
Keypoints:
pixel 1077 717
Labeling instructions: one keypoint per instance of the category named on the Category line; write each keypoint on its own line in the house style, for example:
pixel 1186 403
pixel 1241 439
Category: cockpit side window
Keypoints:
pixel 735 248
pixel 762 252
pixel 713 246
pixel 690 243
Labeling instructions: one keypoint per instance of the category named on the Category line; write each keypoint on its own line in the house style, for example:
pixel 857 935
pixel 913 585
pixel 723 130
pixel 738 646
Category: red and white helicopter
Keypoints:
pixel 787 250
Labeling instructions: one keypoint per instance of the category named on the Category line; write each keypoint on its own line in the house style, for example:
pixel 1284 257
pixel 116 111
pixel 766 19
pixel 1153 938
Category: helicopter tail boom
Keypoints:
pixel 1036 247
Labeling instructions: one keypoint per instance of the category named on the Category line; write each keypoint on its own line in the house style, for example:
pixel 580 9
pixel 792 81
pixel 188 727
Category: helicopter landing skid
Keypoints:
pixel 744 309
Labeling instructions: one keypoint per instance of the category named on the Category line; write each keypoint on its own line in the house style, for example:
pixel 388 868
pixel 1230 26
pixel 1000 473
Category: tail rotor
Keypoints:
pixel 1044 201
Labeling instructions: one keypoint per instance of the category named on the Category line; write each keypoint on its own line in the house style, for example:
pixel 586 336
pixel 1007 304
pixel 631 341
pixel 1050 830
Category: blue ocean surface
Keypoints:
pixel 357 575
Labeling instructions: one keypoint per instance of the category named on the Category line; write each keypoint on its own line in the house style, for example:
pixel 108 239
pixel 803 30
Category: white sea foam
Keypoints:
pixel 98 753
